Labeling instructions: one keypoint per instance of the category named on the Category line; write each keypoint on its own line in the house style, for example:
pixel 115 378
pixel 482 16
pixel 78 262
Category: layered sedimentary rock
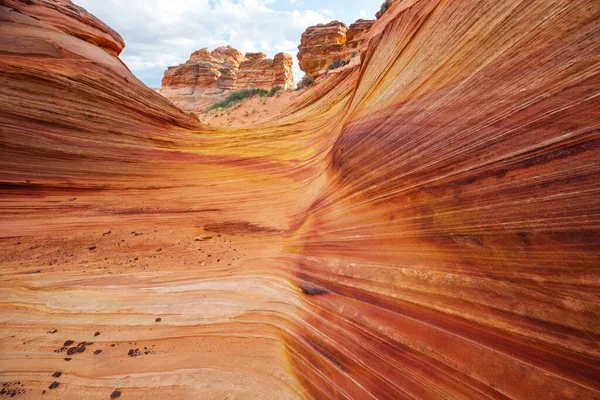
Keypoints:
pixel 422 225
pixel 320 45
pixel 325 43
pixel 208 77
pixel 356 34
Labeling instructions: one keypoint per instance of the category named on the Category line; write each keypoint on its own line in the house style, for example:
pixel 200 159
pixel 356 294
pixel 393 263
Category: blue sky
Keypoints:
pixel 161 33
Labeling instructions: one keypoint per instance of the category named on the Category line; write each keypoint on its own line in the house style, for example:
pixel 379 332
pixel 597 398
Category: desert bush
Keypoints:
pixel 307 81
pixel 384 7
pixel 336 64
pixel 236 97
pixel 274 90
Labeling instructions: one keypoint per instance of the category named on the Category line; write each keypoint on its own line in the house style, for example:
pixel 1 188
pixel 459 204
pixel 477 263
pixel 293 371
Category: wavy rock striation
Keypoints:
pixel 422 225
pixel 208 77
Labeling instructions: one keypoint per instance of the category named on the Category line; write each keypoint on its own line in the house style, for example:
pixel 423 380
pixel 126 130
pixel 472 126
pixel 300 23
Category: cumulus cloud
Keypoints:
pixel 161 33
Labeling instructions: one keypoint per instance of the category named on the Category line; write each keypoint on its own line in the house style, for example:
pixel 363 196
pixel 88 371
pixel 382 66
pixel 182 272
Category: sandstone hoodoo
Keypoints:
pixel 209 76
pixel 423 224
pixel 324 44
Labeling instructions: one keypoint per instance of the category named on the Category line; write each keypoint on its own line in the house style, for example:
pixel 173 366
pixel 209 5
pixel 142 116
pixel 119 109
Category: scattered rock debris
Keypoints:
pixel 75 350
pixel 68 343
pixel 134 353
pixel 115 394
pixel 158 319
pixel 312 290
pixel 96 352
pixel 67 359
pixel 96 333
pixel 12 389
pixel 92 248
pixel 53 385
pixel 106 232
pixel 57 374
pixel 52 331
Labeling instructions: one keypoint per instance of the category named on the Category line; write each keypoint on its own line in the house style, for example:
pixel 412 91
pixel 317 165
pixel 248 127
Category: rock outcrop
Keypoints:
pixel 325 43
pixel 208 77
pixel 423 225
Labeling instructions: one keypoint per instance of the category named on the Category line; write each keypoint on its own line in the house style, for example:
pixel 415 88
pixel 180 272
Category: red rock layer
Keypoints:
pixel 422 225
pixel 208 77
pixel 64 16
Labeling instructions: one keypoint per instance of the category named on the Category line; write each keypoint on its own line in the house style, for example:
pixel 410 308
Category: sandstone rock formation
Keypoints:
pixel 324 43
pixel 422 225
pixel 208 77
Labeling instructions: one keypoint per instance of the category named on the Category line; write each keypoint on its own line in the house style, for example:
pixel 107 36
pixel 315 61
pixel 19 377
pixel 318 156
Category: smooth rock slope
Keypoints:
pixel 423 225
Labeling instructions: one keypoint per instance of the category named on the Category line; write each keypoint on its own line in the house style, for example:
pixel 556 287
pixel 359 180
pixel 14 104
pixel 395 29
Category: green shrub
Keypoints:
pixel 307 81
pixel 384 7
pixel 274 90
pixel 236 97
pixel 336 64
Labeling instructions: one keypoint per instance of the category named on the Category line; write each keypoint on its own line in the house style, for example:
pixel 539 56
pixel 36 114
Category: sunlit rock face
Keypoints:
pixel 423 224
pixel 323 44
pixel 209 77
pixel 320 45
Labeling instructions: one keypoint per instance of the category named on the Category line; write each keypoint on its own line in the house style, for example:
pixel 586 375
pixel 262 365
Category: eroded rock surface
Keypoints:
pixel 423 224
pixel 208 77
pixel 323 44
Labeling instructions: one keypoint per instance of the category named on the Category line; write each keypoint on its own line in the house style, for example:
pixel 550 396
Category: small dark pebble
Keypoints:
pixel 92 248
pixel 68 343
pixel 115 394
pixel 44 391
pixel 158 319
pixel 130 352
pixel 67 359
pixel 53 385
pixel 53 331
pixel 75 350
pixel 112 345
pixel 97 351
pixel 96 334
pixel 57 374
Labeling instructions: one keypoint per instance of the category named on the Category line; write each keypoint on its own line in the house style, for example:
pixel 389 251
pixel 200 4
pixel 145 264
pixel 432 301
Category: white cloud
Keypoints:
pixel 161 33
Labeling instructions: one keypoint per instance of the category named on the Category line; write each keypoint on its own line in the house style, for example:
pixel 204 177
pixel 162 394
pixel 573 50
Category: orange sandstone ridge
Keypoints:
pixel 422 224
pixel 208 77
pixel 325 43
